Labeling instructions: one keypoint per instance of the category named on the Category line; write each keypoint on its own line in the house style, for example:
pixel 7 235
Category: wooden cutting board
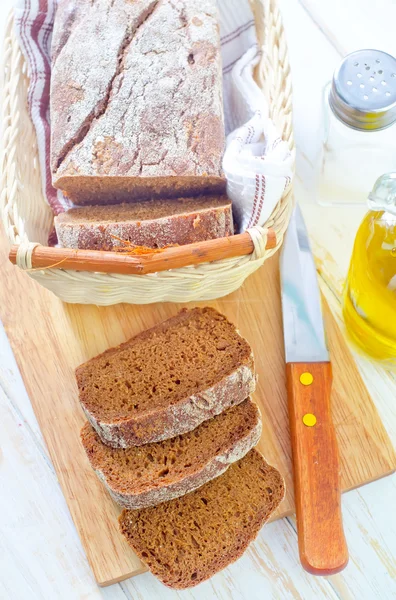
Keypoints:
pixel 50 339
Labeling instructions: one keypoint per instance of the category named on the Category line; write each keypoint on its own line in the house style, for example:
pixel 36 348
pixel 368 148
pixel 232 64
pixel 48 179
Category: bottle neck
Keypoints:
pixel 383 195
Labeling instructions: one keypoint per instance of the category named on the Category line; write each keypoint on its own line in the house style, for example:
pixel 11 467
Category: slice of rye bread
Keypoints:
pixel 147 475
pixel 154 224
pixel 189 539
pixel 166 380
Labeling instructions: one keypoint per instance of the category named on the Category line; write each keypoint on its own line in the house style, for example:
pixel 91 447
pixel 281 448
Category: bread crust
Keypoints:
pixel 217 465
pixel 188 540
pixel 187 226
pixel 169 421
pixel 136 100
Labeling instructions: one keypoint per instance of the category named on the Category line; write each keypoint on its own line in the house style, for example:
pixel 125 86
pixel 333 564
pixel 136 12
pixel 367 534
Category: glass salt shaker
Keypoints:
pixel 359 128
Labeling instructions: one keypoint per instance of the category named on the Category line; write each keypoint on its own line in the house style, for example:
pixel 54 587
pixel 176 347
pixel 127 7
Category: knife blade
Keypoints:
pixel 305 339
pixel 321 540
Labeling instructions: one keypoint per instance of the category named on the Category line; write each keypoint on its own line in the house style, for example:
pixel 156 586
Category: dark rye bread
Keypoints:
pixel 189 539
pixel 154 223
pixel 166 380
pixel 136 100
pixel 147 475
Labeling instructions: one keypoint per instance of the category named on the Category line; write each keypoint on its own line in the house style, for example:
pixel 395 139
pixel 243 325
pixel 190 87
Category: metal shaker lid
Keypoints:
pixel 363 90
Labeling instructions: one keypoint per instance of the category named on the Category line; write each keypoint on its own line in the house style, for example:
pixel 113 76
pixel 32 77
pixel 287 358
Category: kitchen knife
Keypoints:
pixel 321 540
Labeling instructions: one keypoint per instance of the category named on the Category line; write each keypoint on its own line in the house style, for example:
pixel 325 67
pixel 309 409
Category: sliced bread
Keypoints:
pixel 166 380
pixel 136 99
pixel 189 539
pixel 147 475
pixel 154 224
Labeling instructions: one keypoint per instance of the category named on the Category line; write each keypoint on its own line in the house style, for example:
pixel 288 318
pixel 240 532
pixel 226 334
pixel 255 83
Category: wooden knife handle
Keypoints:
pixel 321 540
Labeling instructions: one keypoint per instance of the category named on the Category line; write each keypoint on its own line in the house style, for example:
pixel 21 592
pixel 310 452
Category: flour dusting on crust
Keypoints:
pixel 145 100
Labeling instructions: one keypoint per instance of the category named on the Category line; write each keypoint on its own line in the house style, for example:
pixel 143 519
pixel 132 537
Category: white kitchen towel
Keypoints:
pixel 257 163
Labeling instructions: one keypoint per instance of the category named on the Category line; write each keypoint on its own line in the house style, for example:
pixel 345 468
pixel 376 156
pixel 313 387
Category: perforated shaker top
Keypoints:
pixel 363 90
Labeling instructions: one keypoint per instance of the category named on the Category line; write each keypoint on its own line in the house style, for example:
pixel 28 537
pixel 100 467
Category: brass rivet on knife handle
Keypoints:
pixel 309 420
pixel 321 540
pixel 306 378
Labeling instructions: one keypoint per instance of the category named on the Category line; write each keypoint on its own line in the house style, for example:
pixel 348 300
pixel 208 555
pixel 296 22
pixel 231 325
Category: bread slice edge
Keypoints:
pixel 212 469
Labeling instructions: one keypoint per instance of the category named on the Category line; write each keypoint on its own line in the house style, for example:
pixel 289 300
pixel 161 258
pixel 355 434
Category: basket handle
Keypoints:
pixel 45 257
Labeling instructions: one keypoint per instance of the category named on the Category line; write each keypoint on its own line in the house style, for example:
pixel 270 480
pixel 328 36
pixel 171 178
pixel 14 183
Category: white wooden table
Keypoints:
pixel 41 557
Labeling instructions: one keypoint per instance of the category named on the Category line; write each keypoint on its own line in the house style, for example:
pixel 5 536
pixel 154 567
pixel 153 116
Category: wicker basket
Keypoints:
pixel 28 218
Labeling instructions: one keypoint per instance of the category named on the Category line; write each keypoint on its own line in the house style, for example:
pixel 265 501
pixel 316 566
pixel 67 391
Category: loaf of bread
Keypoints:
pixel 136 100
pixel 153 223
pixel 147 475
pixel 166 380
pixel 189 539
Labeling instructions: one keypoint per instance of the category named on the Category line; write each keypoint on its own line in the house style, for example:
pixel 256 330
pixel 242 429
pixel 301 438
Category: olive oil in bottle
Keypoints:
pixel 370 290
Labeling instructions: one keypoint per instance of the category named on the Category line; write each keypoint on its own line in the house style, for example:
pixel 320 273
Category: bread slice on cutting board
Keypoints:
pixel 166 380
pixel 146 475
pixel 154 223
pixel 189 539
